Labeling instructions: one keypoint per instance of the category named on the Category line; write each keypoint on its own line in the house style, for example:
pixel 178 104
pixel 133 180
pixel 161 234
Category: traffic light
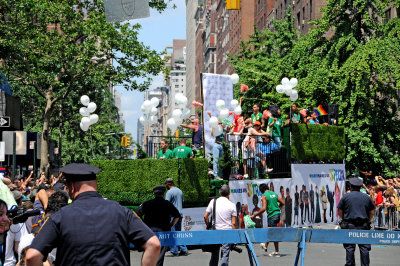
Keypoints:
pixel 128 141
pixel 232 4
pixel 123 141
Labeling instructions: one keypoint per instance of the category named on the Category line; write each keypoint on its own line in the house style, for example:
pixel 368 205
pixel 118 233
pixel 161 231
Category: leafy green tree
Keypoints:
pixel 54 49
pixel 350 58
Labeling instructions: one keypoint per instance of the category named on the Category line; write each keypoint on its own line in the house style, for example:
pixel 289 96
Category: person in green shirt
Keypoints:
pixel 165 153
pixel 182 151
pixel 270 201
pixel 257 116
pixel 276 123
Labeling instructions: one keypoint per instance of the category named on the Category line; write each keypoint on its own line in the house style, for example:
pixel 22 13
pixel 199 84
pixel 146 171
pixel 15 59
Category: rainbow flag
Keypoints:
pixel 320 111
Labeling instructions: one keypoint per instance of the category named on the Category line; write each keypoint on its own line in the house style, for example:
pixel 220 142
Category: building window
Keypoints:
pixel 311 14
pixel 388 15
pixel 298 19
pixel 176 86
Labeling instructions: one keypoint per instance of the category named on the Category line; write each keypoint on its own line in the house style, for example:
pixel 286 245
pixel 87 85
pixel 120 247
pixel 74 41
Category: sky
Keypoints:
pixel 157 31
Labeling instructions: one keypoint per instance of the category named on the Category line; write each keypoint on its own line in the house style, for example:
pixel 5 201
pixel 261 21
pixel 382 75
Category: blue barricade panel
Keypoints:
pixel 211 237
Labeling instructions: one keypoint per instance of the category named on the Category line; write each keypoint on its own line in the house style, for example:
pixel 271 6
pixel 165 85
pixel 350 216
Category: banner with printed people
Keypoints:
pixel 215 87
pixel 311 196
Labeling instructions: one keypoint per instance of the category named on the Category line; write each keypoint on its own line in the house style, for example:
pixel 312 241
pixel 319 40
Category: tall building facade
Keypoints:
pixel 175 82
pixel 191 27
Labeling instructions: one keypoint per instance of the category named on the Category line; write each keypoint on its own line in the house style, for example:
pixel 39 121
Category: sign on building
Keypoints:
pixel 21 142
pixel 121 10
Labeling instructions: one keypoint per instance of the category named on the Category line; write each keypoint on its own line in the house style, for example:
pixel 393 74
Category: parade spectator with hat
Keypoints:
pixel 356 210
pixel 175 196
pixel 91 230
pixel 160 215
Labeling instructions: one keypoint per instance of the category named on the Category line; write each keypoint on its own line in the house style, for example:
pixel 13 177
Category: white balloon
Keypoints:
pixel 85 122
pixel 287 89
pixel 93 119
pixel 183 102
pixel 83 127
pixel 213 122
pixel 153 119
pixel 84 111
pixel 142 108
pixel 155 101
pixel 91 107
pixel 178 121
pixel 235 78
pixel 172 124
pixel 85 100
pixel 294 97
pixel 176 114
pixel 224 113
pixel 185 114
pixel 220 104
pixel 154 110
pixel 234 103
pixel 293 82
pixel 285 81
pixel 280 89
pixel 238 110
pixel 218 131
pixel 142 120
pixel 147 106
pixel 178 96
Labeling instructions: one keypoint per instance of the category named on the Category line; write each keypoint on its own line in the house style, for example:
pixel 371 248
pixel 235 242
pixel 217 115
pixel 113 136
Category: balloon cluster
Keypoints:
pixel 149 109
pixel 88 119
pixel 179 113
pixel 224 113
pixel 287 88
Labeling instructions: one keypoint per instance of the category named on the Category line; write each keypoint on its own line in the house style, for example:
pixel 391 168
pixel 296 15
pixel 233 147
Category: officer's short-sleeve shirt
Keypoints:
pixel 157 214
pixel 92 231
pixel 356 205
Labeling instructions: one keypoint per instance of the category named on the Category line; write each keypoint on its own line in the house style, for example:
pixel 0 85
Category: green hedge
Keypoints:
pixel 131 182
pixel 317 142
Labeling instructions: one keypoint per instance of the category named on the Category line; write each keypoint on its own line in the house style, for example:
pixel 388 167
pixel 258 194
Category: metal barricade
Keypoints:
pixel 253 156
pixel 387 218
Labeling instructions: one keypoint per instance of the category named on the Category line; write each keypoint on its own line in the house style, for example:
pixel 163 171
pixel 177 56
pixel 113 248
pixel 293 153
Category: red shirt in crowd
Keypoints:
pixel 379 198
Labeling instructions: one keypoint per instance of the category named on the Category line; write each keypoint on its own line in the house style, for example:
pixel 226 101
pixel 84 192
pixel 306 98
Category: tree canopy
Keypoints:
pixel 349 58
pixel 54 51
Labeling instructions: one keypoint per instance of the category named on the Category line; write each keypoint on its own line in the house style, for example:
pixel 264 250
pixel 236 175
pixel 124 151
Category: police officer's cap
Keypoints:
pixel 159 189
pixel 356 182
pixel 80 172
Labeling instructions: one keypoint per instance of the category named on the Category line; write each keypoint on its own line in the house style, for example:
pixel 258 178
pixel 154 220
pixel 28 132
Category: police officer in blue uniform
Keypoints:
pixel 92 230
pixel 160 215
pixel 356 210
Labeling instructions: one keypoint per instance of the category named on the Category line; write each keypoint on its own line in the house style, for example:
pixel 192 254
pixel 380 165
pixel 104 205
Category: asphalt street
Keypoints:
pixel 315 255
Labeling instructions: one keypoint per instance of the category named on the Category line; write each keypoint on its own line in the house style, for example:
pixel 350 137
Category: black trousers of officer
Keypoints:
pixel 351 248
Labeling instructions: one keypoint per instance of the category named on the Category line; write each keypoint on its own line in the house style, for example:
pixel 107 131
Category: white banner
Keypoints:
pixel 313 192
pixel 193 219
pixel 215 87
pixel 2 151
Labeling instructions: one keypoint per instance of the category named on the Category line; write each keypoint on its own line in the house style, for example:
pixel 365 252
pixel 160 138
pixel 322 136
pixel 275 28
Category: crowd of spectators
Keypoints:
pixel 385 194
pixel 46 193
